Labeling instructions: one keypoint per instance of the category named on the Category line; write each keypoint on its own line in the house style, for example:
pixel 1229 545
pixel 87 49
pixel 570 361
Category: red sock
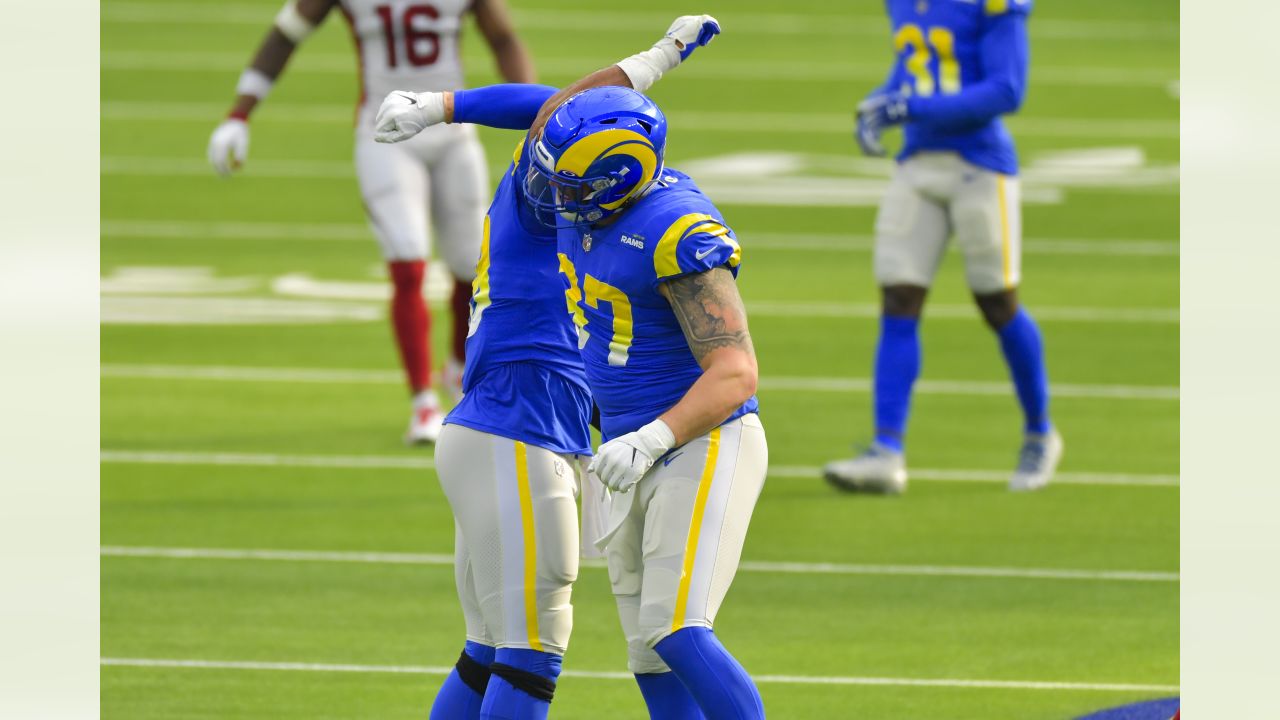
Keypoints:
pixel 461 305
pixel 412 321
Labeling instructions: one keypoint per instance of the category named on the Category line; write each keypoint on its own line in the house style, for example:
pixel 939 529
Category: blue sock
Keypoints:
pixel 504 701
pixel 667 698
pixel 714 678
pixel 456 699
pixel 1024 352
pixel 897 367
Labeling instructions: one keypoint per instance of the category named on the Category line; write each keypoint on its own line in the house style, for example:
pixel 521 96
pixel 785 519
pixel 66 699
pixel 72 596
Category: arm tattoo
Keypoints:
pixel 710 311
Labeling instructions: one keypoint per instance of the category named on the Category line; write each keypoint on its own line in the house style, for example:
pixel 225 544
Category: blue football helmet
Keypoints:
pixel 600 150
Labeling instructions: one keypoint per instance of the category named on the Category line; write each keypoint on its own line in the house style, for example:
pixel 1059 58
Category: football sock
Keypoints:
pixel 460 303
pixel 521 685
pixel 412 322
pixel 667 698
pixel 897 367
pixel 463 690
pixel 716 680
pixel 1024 352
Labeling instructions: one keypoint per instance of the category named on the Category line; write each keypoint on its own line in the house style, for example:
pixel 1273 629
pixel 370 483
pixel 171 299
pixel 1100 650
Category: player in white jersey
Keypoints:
pixel 438 178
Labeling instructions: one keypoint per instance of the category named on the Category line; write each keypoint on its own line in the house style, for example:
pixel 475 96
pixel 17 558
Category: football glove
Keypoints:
pixel 876 113
pixel 405 114
pixel 621 462
pixel 686 34
pixel 690 32
pixel 229 145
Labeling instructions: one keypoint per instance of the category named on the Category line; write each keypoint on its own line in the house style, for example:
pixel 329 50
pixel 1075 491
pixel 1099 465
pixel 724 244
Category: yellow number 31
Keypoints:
pixel 940 42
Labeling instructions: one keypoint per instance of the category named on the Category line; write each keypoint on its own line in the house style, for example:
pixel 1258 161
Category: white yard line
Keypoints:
pixel 708 68
pixel 793 384
pixel 255 665
pixel 806 25
pixel 967 312
pixel 799 242
pixel 719 121
pixel 399 462
pixel 793 568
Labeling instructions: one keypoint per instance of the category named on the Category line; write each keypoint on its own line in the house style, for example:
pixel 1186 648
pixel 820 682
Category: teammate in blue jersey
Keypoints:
pixel 508 457
pixel 959 66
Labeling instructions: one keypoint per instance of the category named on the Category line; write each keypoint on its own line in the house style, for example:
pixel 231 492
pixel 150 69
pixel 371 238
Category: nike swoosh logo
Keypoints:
pixel 673 457
pixel 704 253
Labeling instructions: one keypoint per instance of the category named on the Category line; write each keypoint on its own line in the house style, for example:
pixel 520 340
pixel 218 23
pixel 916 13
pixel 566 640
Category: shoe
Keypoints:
pixel 1037 461
pixel 451 378
pixel 427 420
pixel 878 469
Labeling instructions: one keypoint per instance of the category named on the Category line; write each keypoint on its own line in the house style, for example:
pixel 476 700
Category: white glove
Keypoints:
pixel 690 32
pixel 621 462
pixel 404 114
pixel 686 34
pixel 229 145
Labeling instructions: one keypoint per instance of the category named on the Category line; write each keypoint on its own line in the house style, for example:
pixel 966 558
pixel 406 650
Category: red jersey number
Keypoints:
pixel 421 45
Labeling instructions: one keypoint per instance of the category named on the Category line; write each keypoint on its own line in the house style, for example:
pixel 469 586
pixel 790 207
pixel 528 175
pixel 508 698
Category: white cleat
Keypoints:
pixel 877 470
pixel 451 378
pixel 427 420
pixel 1037 461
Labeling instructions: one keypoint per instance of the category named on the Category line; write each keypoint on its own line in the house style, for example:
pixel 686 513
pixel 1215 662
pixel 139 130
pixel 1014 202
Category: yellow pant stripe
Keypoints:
pixel 695 528
pixel 1004 232
pixel 530 547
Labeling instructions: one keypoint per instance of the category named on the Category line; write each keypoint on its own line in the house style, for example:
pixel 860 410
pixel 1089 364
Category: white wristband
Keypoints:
pixel 658 436
pixel 646 68
pixel 254 82
pixel 291 24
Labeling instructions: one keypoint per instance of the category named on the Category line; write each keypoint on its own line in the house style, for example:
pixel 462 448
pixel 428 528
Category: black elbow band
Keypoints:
pixel 531 684
pixel 475 675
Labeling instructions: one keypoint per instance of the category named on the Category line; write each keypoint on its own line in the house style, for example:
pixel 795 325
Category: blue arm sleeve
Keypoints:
pixel 513 106
pixel 1004 72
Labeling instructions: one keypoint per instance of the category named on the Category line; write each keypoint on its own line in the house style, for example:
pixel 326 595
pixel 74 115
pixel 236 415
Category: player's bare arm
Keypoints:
pixel 229 145
pixel 404 114
pixel 711 314
pixel 494 20
pixel 293 24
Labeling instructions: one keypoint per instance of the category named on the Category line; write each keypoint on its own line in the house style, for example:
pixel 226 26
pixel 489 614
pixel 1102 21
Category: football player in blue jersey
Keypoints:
pixel 960 65
pixel 649 266
pixel 508 457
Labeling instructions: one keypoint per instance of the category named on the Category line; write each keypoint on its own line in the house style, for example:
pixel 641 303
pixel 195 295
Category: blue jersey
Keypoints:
pixel 637 359
pixel 524 378
pixel 964 64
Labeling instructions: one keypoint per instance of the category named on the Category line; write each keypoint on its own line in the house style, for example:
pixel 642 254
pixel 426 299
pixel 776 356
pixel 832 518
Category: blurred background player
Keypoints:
pixel 959 66
pixel 508 457
pixel 438 178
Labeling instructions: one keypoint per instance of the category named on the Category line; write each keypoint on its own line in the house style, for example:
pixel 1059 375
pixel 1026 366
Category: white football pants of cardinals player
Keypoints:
pixel 674 541
pixel 516 541
pixel 934 195
pixel 437 178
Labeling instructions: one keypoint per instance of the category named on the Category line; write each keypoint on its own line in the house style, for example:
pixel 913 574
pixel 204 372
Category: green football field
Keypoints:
pixel 271 549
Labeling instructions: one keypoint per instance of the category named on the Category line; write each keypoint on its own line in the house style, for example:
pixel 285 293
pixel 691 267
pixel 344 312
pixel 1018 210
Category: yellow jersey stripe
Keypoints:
pixel 695 528
pixel 480 286
pixel 995 7
pixel 665 263
pixel 530 547
pixel 1004 231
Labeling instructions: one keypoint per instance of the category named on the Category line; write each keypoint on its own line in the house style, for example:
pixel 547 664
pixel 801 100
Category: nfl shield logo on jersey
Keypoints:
pixel 586 242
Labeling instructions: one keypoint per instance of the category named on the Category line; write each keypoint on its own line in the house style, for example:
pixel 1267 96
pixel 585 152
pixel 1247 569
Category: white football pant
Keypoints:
pixel 438 179
pixel 934 195
pixel 516 545
pixel 676 538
